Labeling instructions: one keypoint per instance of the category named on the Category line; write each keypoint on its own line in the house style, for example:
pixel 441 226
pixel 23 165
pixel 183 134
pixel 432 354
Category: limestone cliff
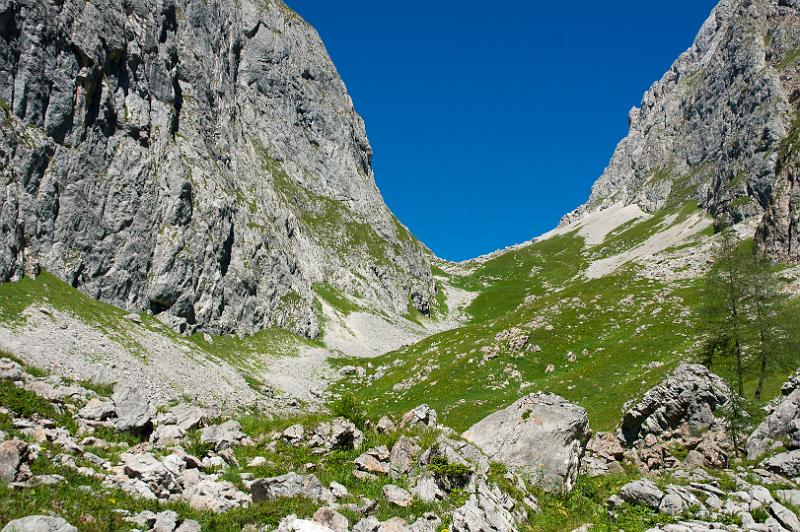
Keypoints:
pixel 200 160
pixel 718 127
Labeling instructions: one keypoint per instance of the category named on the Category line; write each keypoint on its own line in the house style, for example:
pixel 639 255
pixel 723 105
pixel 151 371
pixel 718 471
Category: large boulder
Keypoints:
pixel 685 400
pixel 133 409
pixel 541 435
pixel 39 523
pixel 290 485
pixel 783 423
pixel 785 464
pixel 225 435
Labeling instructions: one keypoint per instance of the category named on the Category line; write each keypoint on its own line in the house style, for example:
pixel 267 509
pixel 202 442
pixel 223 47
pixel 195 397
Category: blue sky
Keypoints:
pixel 490 120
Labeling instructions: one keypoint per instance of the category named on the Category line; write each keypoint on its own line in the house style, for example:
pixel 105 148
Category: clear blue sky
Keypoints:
pixel 490 120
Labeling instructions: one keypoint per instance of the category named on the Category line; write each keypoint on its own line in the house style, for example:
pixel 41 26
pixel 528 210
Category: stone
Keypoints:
pixel 642 492
pixel 188 417
pixel 330 518
pixel 394 524
pixel 294 434
pixel 190 525
pixel 39 523
pixel 789 497
pixel 257 461
pixel 289 485
pixel 403 456
pixel 166 521
pixel 292 524
pixel 133 409
pixel 785 516
pixel 488 509
pixel 397 496
pixel 339 434
pixel 204 493
pixel 368 524
pixel 385 425
pixel 421 416
pixel 427 489
pixel 97 410
pixel 428 522
pixel 605 445
pixel 374 461
pixel 225 435
pixel 338 491
pixel 11 371
pixel 166 434
pixel 540 435
pixel 686 398
pixel 786 464
pixel 12 456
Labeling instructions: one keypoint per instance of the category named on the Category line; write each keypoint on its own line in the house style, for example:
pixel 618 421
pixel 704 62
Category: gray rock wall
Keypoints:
pixel 197 159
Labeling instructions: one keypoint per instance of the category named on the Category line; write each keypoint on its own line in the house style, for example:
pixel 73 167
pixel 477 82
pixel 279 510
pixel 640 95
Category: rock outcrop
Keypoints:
pixel 686 400
pixel 782 425
pixel 720 128
pixel 541 435
pixel 198 160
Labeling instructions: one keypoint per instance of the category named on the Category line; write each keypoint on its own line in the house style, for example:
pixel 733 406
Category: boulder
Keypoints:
pixel 337 434
pixel 785 517
pixel 294 434
pixel 97 410
pixel 397 496
pixel 12 456
pixel 39 523
pixel 422 416
pixel 785 464
pixel 133 410
pixel 402 456
pixel 642 492
pixel 686 399
pixel 330 518
pixel 385 425
pixel 541 435
pixel 205 493
pixel 225 435
pixel 488 510
pixel 292 524
pixel 783 423
pixel 289 485
pixel 374 461
pixel 187 417
pixel 11 371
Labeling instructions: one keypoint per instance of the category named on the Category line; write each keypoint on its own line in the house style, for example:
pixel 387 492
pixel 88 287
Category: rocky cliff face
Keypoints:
pixel 201 160
pixel 720 127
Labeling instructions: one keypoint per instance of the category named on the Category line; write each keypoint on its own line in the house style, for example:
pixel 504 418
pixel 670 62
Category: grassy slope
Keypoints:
pixel 615 325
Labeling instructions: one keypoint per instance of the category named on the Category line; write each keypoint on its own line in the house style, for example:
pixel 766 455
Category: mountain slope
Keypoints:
pixel 714 129
pixel 600 308
pixel 198 160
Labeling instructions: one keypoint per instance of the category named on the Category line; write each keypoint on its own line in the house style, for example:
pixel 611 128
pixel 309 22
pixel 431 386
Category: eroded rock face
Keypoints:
pixel 199 160
pixel 714 128
pixel 686 399
pixel 783 423
pixel 542 435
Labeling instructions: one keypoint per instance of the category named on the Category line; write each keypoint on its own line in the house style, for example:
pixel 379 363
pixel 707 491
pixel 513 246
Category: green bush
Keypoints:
pixel 349 408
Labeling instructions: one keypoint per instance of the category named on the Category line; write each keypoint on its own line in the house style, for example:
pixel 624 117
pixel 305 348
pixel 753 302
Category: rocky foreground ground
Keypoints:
pixel 176 470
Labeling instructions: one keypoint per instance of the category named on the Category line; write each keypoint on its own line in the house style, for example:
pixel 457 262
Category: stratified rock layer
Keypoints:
pixel 200 160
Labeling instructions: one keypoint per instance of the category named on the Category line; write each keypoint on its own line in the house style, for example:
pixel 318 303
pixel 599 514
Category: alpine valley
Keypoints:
pixel 210 319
